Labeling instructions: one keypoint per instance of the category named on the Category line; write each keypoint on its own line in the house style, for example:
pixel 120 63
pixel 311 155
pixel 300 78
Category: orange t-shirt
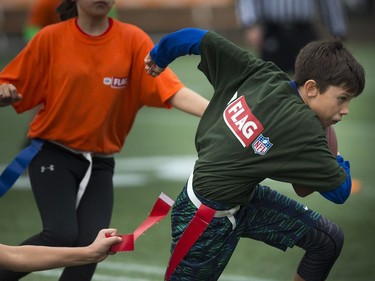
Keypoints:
pixel 43 13
pixel 90 88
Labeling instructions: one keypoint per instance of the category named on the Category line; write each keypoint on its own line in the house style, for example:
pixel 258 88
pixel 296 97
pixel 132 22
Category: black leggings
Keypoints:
pixel 323 245
pixel 55 174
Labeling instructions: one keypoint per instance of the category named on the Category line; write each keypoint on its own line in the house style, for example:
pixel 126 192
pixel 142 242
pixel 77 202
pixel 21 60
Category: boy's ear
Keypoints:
pixel 310 88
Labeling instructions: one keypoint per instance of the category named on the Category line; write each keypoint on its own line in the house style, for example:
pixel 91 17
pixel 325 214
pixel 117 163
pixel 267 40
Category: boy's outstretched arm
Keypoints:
pixel 183 42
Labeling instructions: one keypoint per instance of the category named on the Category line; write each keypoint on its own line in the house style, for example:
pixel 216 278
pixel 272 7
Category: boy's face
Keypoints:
pixel 329 106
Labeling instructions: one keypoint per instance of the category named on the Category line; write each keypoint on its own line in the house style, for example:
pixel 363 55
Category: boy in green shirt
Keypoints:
pixel 260 124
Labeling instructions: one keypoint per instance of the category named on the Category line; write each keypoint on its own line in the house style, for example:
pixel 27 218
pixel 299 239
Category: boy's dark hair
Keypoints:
pixel 329 63
pixel 67 9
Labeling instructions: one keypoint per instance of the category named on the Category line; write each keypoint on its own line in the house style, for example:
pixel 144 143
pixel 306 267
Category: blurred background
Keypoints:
pixel 161 16
pixel 159 153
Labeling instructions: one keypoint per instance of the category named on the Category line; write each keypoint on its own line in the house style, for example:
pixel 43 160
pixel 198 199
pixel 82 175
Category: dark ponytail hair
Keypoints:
pixel 67 9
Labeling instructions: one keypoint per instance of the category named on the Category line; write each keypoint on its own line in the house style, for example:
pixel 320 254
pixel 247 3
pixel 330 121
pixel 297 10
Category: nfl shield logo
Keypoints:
pixel 261 145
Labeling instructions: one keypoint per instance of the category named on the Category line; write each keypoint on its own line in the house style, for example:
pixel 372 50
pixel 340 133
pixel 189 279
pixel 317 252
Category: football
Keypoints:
pixel 332 140
pixel 332 144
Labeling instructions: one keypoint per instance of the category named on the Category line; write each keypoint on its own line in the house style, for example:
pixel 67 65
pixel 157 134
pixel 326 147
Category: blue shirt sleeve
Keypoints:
pixel 183 42
pixel 341 193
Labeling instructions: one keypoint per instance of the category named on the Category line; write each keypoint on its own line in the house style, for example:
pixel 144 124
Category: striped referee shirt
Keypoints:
pixel 250 12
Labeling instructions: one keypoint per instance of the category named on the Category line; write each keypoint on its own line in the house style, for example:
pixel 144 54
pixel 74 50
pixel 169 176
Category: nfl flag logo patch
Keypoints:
pixel 261 145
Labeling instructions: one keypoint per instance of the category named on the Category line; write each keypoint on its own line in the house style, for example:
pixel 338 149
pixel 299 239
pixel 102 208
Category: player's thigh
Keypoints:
pixel 210 254
pixel 95 208
pixel 275 219
pixel 54 177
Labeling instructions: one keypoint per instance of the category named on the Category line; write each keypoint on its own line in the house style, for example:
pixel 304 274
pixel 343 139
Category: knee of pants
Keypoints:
pixel 334 242
pixel 64 238
pixel 339 241
pixel 323 246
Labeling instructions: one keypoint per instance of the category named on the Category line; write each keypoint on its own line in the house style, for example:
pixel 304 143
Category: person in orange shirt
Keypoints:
pixel 41 14
pixel 87 75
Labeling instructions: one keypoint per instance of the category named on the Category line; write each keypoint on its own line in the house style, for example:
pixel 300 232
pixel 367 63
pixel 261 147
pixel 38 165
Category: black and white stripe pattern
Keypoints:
pixel 250 12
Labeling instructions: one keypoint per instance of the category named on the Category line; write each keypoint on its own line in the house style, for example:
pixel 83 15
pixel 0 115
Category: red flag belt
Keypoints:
pixel 159 211
pixel 196 227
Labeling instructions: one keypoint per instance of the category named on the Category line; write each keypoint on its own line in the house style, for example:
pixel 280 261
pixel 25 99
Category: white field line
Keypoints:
pixel 140 171
pixel 123 272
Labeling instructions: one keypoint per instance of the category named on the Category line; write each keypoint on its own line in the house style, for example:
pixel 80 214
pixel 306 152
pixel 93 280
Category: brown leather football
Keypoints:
pixel 332 140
